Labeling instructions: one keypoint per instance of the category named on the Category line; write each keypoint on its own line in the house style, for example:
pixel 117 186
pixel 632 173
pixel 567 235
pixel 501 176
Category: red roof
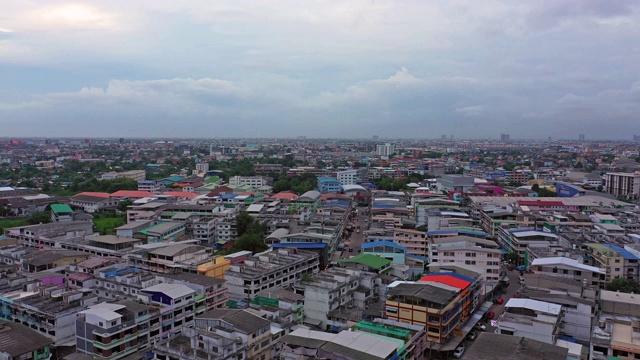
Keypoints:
pixel 447 280
pixel 219 191
pixel 95 194
pixel 132 194
pixel 181 194
pixel 284 195
pixel 540 203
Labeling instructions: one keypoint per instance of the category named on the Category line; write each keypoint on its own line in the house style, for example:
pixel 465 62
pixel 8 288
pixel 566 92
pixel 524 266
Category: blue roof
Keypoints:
pixel 383 243
pixel 456 275
pixel 626 254
pixel 323 179
pixel 421 258
pixel 384 206
pixel 229 196
pixel 336 203
pixel 174 178
pixel 146 182
pixel 319 245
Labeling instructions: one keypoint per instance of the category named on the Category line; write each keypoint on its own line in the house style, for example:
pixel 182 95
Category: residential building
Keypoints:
pixel 18 341
pixel 347 177
pixel 532 319
pixel 626 185
pixel 328 184
pixel 267 168
pixel 115 330
pixel 202 167
pixel 282 299
pixel 571 269
pixel 385 149
pixel 272 268
pixel 518 240
pixel 136 175
pixel 490 346
pixel 454 182
pixel 162 232
pixel 210 292
pixel 305 343
pixel 93 201
pixel 215 268
pixel 176 303
pixel 254 182
pixel 480 253
pixel 61 212
pixel 149 185
pixel 617 330
pixel 617 262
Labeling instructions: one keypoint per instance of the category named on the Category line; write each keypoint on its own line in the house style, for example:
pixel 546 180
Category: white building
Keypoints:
pixel 202 167
pixel 623 184
pixel 533 319
pixel 385 149
pixel 254 181
pixel 467 250
pixel 347 177
pixel 569 268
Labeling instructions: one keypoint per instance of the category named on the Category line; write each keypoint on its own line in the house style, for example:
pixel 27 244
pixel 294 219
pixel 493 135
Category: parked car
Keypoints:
pixel 472 335
pixel 491 315
pixel 480 327
pixel 459 351
pixel 499 301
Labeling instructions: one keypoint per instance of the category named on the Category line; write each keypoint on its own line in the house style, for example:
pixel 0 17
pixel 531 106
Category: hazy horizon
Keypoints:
pixel 320 69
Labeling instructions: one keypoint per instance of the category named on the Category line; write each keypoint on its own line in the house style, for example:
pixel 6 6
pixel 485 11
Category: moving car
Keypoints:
pixel 457 353
pixel 472 335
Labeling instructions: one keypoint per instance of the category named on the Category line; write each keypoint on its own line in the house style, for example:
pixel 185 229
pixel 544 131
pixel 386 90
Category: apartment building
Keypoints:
pixel 570 269
pixel 114 330
pixel 533 319
pixel 480 253
pixel 328 184
pixel 335 297
pixel 623 184
pixel 616 261
pixel 280 298
pixel 442 220
pixel 266 168
pixel 415 241
pixel 617 330
pixel 176 305
pixel 272 268
pixel 210 292
pixel 149 185
pixel 518 240
pixel 254 181
pixel 91 202
pixel 162 232
pixel 347 177
pixel 136 175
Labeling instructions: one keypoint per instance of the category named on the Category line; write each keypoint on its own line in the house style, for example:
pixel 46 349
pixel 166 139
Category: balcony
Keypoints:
pixel 116 342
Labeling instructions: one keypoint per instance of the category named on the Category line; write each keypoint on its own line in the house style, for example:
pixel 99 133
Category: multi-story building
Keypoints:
pixel 617 330
pixel 202 167
pixel 20 342
pixel 518 240
pixel 282 299
pixel 481 253
pixel 385 149
pixel 254 181
pixel 115 330
pixel 571 269
pixel 136 175
pixel 93 201
pixel 267 168
pixel 328 184
pixel 335 297
pixel 149 185
pixel 210 292
pixel 176 303
pixel 272 268
pixel 623 184
pixel 347 177
pixel 442 220
pixel 533 319
pixel 616 261
pixel 456 182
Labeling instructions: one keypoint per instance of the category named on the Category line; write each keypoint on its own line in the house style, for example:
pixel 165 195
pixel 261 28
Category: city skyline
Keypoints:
pixel 320 69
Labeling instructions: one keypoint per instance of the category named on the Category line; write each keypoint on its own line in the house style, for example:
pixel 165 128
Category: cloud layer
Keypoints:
pixel 320 68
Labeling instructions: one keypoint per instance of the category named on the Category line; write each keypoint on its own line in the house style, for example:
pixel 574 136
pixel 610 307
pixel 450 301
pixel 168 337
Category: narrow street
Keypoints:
pixel 352 245
pixel 510 291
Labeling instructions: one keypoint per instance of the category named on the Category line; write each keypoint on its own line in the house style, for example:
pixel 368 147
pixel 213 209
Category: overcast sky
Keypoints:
pixel 409 68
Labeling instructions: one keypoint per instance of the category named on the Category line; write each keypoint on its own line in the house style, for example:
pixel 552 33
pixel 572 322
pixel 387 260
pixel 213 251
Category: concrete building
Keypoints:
pixel 385 149
pixel 489 346
pixel 532 319
pixel 254 181
pixel 616 261
pixel 136 175
pixel 176 304
pixel 623 184
pixel 347 177
pixel 455 182
pixel 617 330
pixel 115 330
pixel 480 253
pixel 92 202
pixel 518 240
pixel 272 268
pixel 149 185
pixel 202 167
pixel 18 341
pixel 328 184
pixel 570 269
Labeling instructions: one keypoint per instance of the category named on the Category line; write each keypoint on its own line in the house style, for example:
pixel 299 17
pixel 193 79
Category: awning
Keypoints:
pixel 314 322
pixel 476 317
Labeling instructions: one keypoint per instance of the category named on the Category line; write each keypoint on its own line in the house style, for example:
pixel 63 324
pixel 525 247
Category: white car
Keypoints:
pixel 457 353
pixel 480 327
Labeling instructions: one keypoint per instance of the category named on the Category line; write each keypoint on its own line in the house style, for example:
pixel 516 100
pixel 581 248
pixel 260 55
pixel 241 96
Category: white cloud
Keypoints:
pixel 475 110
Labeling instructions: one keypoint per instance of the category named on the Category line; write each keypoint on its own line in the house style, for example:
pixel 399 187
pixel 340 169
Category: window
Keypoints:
pixel 506 332
pixel 578 273
pixel 565 271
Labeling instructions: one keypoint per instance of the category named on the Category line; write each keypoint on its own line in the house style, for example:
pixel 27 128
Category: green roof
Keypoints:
pixel 61 209
pixel 370 260
pixel 212 179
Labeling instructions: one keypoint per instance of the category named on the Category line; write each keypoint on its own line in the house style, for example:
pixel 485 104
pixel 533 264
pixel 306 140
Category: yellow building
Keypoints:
pixel 215 268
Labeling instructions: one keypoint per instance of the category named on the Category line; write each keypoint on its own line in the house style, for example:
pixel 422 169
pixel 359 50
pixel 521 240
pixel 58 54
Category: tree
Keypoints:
pixel 122 206
pixel 243 222
pixel 623 285
pixel 250 242
pixel 535 187
pixel 600 188
pixel 39 218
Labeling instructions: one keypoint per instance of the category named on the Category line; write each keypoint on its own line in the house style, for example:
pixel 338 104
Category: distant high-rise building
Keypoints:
pixel 451 137
pixel 549 138
pixel 581 137
pixel 504 137
pixel 636 137
pixel 385 149
pixel 121 140
pixel 444 137
pixel 375 137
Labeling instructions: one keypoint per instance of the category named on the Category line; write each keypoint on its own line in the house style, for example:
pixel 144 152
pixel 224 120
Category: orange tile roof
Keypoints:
pixel 181 194
pixel 284 195
pixel 132 194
